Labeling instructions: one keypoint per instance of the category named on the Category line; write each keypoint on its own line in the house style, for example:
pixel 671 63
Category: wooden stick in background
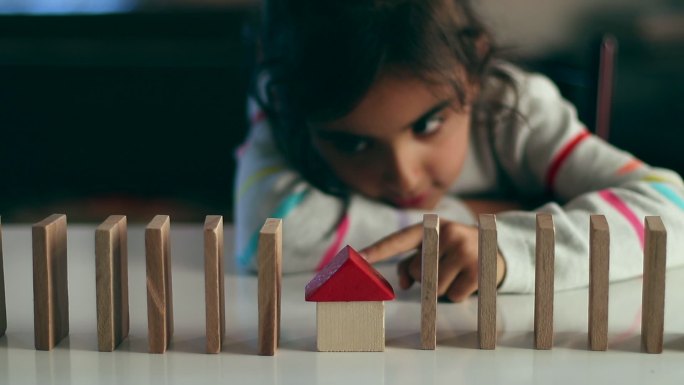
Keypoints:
pixel 604 93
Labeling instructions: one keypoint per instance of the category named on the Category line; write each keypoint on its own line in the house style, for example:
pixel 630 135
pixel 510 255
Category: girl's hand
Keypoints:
pixel 458 253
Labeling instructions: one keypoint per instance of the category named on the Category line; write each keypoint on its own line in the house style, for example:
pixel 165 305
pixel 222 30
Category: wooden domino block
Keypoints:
pixel 111 279
pixel 3 310
pixel 653 297
pixel 599 263
pixel 213 282
pixel 50 289
pixel 428 286
pixel 486 298
pixel 159 295
pixel 269 259
pixel 544 270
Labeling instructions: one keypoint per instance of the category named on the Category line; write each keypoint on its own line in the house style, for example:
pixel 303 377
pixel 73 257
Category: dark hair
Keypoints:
pixel 319 58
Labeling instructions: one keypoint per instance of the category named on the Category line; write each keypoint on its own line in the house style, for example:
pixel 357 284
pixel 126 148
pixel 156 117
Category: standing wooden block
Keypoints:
pixel 159 295
pixel 111 279
pixel 357 326
pixel 599 263
pixel 270 256
pixel 543 286
pixel 653 297
pixel 50 290
pixel 486 297
pixel 213 282
pixel 428 286
pixel 3 310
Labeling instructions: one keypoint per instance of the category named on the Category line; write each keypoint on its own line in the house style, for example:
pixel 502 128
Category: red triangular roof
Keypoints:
pixel 348 277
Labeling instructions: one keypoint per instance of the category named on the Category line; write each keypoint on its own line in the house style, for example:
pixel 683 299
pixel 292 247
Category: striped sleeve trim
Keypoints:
pixel 561 157
pixel 659 178
pixel 631 165
pixel 340 233
pixel 288 204
pixel 669 194
pixel 621 207
pixel 256 177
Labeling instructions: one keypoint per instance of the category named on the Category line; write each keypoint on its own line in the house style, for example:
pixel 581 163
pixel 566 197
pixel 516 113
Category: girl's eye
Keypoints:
pixel 351 145
pixel 428 126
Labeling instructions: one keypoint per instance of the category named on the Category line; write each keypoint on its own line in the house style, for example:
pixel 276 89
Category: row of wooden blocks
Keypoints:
pixel 653 298
pixel 50 290
pixel 51 316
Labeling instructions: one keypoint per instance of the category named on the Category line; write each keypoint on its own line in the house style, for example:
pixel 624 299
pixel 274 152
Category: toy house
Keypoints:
pixel 350 308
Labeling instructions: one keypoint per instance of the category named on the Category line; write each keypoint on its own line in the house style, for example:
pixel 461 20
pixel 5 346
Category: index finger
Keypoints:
pixel 398 242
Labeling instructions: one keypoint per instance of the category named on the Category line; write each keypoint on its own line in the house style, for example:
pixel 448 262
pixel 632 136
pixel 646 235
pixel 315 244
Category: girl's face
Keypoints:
pixel 404 144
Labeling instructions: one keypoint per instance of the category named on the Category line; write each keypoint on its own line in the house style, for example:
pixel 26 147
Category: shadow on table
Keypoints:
pixel 465 340
pixel 628 344
pixel 18 341
pixel 305 344
pixel 524 340
pixel 198 345
pixel 406 340
pixel 570 340
pixel 134 344
pixel 188 345
pixel 561 340
pixel 79 341
pixel 195 345
pixel 674 341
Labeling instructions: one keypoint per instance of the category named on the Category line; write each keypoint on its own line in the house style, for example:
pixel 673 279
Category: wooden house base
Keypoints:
pixel 351 326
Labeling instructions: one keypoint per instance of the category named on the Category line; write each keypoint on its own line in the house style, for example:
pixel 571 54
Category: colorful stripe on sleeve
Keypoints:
pixel 631 165
pixel 257 176
pixel 288 204
pixel 620 205
pixel 668 193
pixel 560 158
pixel 340 233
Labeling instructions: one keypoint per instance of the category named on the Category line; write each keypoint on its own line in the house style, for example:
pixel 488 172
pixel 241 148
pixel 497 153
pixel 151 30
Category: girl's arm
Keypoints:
pixel 553 152
pixel 316 225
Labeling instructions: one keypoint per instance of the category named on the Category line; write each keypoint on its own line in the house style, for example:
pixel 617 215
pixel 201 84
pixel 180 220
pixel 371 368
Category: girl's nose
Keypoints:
pixel 402 174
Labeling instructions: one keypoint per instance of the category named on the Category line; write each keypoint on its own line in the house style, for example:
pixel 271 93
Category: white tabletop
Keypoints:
pixel 456 360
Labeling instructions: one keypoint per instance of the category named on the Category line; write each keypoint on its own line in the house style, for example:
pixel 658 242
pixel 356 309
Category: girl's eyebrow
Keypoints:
pixel 437 108
pixel 334 135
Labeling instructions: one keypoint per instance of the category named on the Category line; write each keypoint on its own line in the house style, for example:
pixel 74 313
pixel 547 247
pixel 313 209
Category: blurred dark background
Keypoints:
pixel 137 106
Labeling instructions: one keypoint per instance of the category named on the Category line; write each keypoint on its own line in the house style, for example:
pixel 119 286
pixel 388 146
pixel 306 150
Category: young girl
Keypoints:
pixel 366 114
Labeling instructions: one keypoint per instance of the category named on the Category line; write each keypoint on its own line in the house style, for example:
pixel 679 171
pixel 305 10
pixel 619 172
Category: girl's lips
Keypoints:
pixel 415 201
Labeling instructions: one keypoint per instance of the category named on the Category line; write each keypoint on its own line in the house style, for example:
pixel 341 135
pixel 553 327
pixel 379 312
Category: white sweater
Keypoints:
pixel 545 148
